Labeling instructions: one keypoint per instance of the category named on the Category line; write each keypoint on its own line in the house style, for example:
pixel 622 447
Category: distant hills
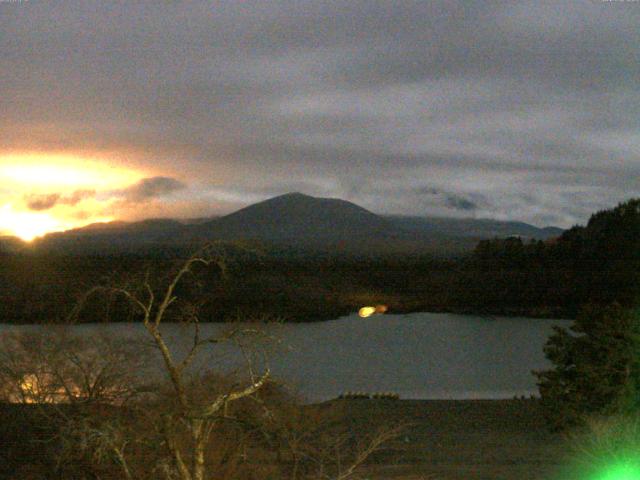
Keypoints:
pixel 474 228
pixel 297 221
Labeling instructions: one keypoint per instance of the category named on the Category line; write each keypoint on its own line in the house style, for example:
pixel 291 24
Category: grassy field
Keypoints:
pixel 470 440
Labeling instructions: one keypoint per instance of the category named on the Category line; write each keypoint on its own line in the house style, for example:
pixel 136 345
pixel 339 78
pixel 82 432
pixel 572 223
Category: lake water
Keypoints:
pixel 420 355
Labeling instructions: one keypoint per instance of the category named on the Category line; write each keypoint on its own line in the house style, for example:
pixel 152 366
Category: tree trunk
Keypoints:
pixel 167 430
pixel 198 431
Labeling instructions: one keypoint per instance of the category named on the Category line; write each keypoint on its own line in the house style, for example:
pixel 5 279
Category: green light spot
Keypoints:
pixel 624 471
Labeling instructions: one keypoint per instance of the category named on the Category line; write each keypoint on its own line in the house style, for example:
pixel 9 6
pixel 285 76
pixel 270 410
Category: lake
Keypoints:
pixel 420 355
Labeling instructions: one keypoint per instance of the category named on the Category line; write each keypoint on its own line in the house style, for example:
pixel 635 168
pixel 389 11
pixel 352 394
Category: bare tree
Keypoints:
pixel 67 379
pixel 198 413
pixel 199 424
pixel 55 366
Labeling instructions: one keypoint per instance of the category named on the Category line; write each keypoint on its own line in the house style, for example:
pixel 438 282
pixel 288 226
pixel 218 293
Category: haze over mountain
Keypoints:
pixel 298 220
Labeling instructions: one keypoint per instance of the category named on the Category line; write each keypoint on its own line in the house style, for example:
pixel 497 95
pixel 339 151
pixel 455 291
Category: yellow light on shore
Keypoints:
pixel 381 308
pixel 365 312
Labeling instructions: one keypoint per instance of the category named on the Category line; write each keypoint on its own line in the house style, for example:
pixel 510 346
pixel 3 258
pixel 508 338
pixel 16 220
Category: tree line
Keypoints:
pixel 598 263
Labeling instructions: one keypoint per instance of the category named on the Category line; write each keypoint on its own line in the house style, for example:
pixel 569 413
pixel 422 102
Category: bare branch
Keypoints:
pixel 222 400
pixel 168 296
pixel 194 348
pixel 374 444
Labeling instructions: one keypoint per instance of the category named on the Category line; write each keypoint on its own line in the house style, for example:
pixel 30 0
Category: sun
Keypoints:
pixel 26 225
pixel 59 176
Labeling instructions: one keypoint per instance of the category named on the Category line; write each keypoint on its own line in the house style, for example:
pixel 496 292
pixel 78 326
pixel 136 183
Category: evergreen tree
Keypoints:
pixel 596 366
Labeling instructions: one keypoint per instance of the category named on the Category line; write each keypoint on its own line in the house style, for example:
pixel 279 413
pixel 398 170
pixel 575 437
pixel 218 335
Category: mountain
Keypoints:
pixel 145 230
pixel 299 221
pixel 295 217
pixel 112 236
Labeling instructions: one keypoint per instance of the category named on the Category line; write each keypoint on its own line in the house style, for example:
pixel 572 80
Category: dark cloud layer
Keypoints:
pixel 459 203
pixel 140 192
pixel 40 202
pixel 525 110
pixel 149 188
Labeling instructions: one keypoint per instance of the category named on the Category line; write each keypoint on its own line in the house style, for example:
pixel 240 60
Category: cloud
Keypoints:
pixel 460 203
pixel 77 196
pixel 40 202
pixel 352 97
pixel 447 199
pixel 149 188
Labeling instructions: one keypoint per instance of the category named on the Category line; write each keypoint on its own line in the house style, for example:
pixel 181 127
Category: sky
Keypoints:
pixel 515 110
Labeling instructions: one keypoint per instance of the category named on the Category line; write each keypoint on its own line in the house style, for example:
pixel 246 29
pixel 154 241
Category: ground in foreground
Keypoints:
pixel 470 439
pixel 446 440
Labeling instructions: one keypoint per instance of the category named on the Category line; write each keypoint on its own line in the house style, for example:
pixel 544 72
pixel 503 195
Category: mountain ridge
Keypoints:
pixel 302 220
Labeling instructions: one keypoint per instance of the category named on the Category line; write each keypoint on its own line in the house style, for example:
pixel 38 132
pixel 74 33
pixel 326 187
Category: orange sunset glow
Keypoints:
pixel 47 193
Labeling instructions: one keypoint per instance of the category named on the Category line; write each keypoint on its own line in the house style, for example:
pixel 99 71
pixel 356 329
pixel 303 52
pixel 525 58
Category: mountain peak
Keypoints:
pixel 294 195
pixel 297 216
pixel 287 197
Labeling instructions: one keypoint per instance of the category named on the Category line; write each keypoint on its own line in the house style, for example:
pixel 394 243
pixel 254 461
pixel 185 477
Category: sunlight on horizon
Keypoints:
pixel 30 225
pixel 79 191
pixel 27 225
